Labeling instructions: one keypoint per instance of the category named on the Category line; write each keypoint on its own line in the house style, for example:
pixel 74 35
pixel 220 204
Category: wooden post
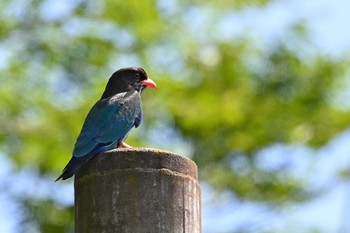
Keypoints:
pixel 137 191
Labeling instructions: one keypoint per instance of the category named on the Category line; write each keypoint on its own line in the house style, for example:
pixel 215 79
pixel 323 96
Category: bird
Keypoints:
pixel 111 118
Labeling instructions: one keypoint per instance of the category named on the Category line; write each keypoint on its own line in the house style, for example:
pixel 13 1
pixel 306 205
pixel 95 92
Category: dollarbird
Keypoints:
pixel 111 118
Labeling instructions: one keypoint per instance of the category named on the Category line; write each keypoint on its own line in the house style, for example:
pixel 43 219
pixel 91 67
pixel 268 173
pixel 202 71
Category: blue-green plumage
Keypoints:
pixel 108 122
pixel 111 118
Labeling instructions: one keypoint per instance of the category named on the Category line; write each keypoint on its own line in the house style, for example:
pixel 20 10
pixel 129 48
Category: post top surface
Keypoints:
pixel 142 159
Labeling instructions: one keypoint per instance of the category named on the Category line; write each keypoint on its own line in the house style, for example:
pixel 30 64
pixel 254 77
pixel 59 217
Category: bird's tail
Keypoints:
pixel 72 167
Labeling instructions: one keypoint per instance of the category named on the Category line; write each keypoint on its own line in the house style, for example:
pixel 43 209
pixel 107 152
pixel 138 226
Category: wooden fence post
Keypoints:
pixel 137 191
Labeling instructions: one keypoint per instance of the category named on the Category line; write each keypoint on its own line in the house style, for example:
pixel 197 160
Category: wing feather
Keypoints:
pixel 108 121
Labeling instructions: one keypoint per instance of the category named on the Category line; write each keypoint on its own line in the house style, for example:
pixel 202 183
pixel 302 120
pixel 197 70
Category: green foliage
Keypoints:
pixel 226 98
pixel 234 109
pixel 46 216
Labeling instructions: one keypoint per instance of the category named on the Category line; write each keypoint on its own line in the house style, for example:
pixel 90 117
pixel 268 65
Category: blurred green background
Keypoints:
pixel 242 101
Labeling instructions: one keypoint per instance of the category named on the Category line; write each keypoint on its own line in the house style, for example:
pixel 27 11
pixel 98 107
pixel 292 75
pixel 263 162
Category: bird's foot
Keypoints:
pixel 123 145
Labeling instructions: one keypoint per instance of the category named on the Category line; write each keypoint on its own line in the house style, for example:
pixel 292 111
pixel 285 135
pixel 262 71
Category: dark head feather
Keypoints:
pixel 124 80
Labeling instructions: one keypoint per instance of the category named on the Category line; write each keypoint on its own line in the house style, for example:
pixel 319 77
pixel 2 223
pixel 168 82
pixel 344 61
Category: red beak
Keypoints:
pixel 149 83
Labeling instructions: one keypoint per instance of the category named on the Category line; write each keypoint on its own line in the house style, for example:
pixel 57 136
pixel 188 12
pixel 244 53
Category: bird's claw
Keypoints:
pixel 123 145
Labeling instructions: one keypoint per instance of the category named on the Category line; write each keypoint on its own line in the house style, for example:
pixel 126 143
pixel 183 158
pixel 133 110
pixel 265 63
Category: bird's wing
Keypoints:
pixel 107 122
pixel 138 120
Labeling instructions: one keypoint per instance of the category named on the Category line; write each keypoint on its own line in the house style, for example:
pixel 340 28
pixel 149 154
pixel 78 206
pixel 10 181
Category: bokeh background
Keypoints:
pixel 255 92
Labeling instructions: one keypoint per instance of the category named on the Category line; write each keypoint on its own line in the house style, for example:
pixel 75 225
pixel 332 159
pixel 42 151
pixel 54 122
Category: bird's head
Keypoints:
pixel 127 79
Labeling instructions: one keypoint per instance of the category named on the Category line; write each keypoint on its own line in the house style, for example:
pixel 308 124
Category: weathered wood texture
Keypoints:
pixel 137 191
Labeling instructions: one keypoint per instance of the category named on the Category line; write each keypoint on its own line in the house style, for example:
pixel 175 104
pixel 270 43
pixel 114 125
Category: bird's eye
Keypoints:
pixel 139 77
